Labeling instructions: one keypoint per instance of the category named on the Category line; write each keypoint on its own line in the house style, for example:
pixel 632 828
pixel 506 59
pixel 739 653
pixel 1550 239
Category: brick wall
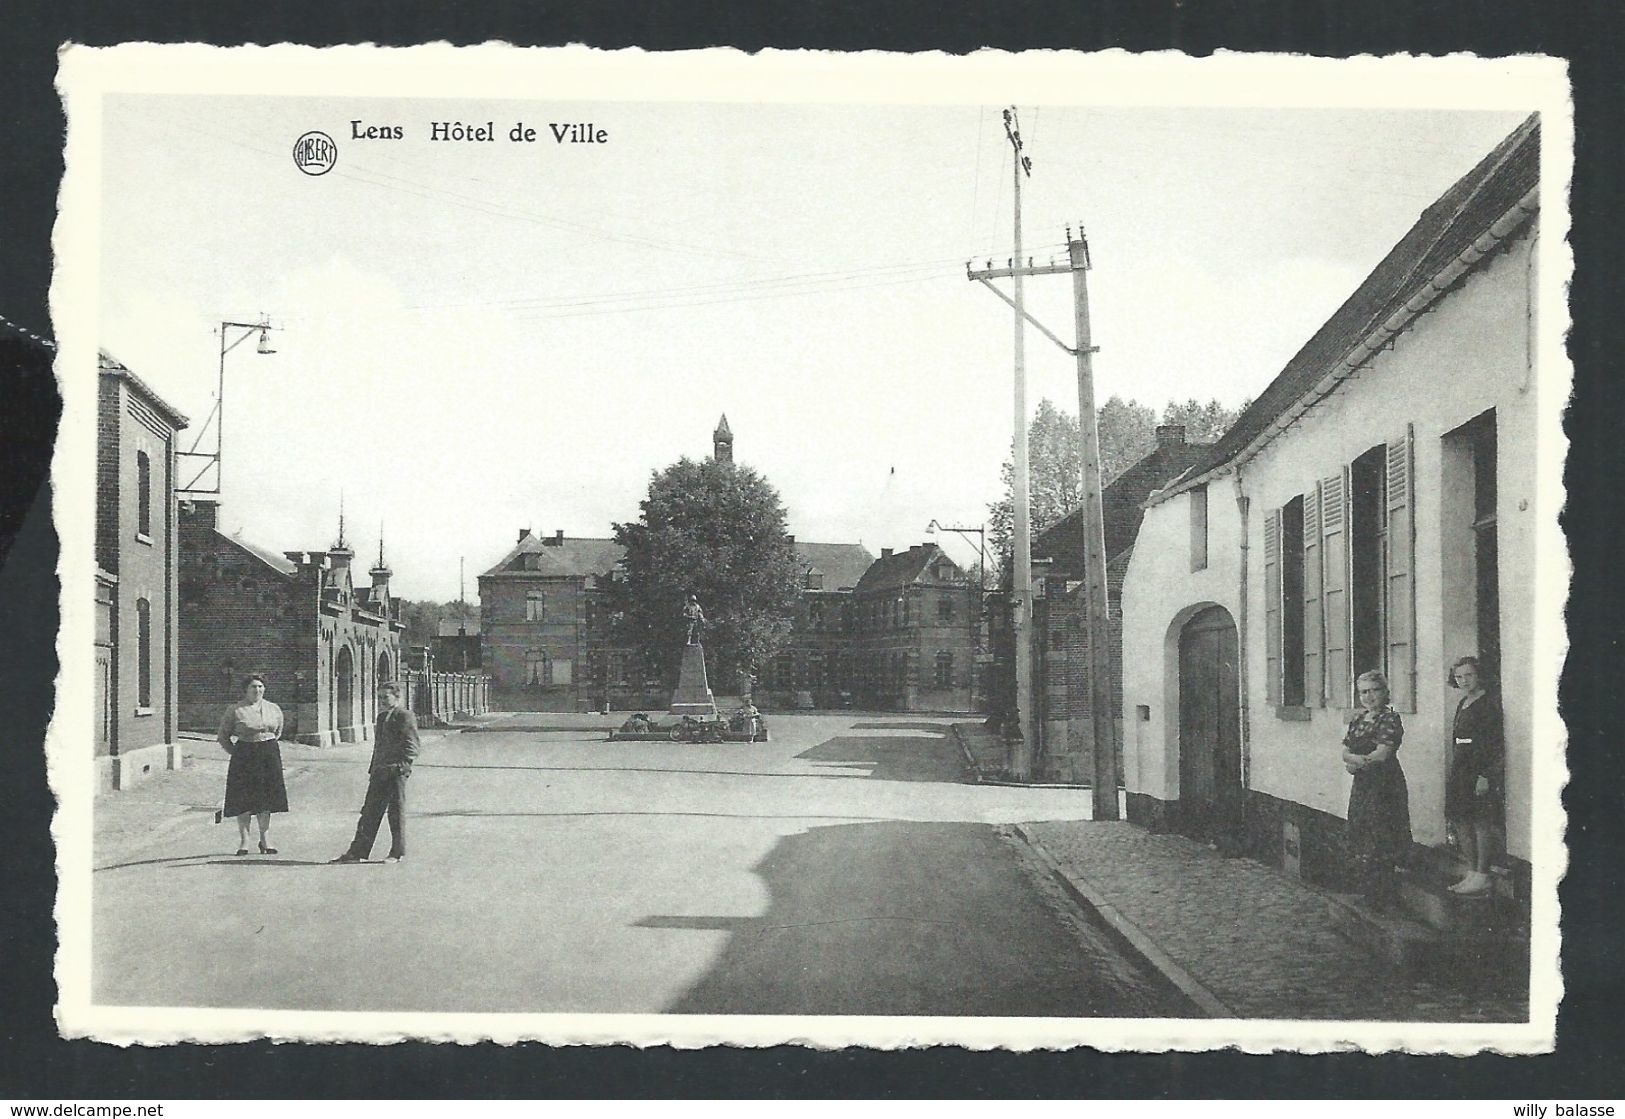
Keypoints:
pixel 142 561
pixel 238 615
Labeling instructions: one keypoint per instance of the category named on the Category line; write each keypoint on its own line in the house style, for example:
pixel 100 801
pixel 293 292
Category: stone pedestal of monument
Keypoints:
pixel 693 696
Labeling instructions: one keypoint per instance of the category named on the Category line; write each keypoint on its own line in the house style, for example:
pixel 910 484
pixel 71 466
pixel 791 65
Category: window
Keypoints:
pixel 535 606
pixel 143 653
pixel 1486 550
pixel 815 581
pixel 945 669
pixel 945 608
pixel 1292 611
pixel 1338 594
pixel 815 615
pixel 143 495
pixel 1198 506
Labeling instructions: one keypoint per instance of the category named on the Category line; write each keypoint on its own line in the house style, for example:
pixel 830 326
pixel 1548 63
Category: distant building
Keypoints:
pixel 916 633
pixel 457 645
pixel 322 643
pixel 136 658
pixel 816 665
pixel 542 622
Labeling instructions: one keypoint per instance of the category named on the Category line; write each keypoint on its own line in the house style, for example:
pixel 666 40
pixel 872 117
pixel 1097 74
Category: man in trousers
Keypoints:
pixel 395 747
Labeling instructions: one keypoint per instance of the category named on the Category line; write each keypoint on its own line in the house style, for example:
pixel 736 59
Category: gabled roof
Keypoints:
pixel 1446 230
pixel 571 556
pixel 841 565
pixel 902 569
pixel 112 367
pixel 1122 505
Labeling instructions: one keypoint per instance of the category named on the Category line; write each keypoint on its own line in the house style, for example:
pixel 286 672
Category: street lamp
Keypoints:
pixel 981 545
pixel 203 460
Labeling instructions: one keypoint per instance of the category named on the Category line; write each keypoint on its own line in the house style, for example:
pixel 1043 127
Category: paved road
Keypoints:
pixel 840 869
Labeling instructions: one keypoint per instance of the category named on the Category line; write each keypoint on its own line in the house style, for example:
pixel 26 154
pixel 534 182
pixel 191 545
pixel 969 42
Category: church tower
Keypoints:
pixel 722 441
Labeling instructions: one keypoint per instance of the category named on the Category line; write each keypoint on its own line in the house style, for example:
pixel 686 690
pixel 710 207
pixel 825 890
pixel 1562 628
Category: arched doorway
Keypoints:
pixel 1210 788
pixel 344 690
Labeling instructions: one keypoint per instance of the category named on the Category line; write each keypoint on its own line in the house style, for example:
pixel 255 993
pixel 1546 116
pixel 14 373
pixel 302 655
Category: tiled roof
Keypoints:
pixel 902 569
pixel 112 367
pixel 1122 506
pixel 571 556
pixel 1445 231
pixel 842 565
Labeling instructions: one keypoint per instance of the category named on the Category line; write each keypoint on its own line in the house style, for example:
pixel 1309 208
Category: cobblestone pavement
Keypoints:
pixel 1263 945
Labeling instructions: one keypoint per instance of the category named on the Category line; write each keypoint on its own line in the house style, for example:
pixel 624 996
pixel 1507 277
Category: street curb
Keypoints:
pixel 1131 936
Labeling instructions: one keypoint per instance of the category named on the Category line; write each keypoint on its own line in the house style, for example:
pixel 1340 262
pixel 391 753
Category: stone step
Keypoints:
pixel 1425 894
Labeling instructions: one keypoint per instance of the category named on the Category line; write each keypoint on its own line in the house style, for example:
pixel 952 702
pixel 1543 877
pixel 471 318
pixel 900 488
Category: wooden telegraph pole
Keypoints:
pixel 1097 619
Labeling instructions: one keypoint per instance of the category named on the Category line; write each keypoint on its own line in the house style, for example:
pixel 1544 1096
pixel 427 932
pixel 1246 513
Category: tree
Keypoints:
pixel 422 618
pixel 1128 432
pixel 715 530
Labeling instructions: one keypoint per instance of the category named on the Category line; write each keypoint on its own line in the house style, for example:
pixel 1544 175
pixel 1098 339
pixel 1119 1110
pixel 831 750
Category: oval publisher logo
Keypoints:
pixel 314 153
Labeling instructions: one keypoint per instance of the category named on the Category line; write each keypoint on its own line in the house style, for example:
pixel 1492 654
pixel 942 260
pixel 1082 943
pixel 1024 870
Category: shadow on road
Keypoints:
pixel 909 918
pixel 894 757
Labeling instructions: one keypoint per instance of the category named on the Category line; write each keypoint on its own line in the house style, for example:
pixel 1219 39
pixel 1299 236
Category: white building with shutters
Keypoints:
pixel 1375 507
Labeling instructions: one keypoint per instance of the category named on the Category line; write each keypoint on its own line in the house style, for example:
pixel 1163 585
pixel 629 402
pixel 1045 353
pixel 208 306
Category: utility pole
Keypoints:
pixel 1097 620
pixel 1096 606
pixel 1021 761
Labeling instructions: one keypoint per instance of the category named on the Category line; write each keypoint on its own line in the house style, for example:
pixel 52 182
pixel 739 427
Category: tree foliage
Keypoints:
pixel 422 618
pixel 1128 432
pixel 716 530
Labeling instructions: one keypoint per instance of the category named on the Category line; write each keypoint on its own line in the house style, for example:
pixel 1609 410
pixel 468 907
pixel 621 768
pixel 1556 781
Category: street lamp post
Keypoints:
pixel 980 604
pixel 203 460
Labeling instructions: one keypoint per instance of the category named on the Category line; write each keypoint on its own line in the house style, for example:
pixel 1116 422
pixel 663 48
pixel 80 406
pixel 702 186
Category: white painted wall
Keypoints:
pixel 1468 353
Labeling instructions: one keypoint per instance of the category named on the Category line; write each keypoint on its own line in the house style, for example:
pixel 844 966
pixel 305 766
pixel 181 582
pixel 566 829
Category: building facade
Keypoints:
pixel 816 667
pixel 299 619
pixel 1373 509
pixel 544 632
pixel 136 636
pixel 917 633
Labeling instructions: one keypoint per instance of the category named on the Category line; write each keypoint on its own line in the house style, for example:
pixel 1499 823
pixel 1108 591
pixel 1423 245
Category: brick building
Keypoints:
pixel 1065 748
pixel 136 660
pixel 916 634
pixel 456 645
pixel 816 664
pixel 543 627
pixel 322 643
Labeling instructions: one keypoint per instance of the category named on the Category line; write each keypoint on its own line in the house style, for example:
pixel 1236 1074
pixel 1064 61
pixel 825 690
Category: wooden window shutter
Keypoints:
pixel 1314 682
pixel 1399 605
pixel 1334 598
pixel 1272 608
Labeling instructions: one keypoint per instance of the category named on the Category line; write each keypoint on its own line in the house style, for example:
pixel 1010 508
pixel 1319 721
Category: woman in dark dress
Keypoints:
pixel 1473 793
pixel 254 787
pixel 1379 803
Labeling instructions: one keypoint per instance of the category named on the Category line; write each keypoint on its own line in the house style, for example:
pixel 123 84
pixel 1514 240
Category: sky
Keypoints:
pixel 476 338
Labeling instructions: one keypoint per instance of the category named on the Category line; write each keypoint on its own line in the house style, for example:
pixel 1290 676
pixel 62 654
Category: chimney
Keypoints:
pixel 1170 435
pixel 885 553
pixel 205 514
pixel 558 537
pixel 524 532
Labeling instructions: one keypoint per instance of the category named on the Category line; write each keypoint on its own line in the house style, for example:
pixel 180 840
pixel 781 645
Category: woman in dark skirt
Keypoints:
pixel 254 785
pixel 1473 796
pixel 1379 802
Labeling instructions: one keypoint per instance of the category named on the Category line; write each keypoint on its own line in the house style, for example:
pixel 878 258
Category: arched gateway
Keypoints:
pixel 1210 777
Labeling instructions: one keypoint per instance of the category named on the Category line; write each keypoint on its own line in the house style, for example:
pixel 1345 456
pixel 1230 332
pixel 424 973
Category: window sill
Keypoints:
pixel 143 712
pixel 143 538
pixel 1292 714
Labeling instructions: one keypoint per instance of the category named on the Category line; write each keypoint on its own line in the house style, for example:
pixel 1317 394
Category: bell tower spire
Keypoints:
pixel 722 441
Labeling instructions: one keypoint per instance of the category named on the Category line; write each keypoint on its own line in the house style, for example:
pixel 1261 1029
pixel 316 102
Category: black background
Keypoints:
pixel 35 1063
